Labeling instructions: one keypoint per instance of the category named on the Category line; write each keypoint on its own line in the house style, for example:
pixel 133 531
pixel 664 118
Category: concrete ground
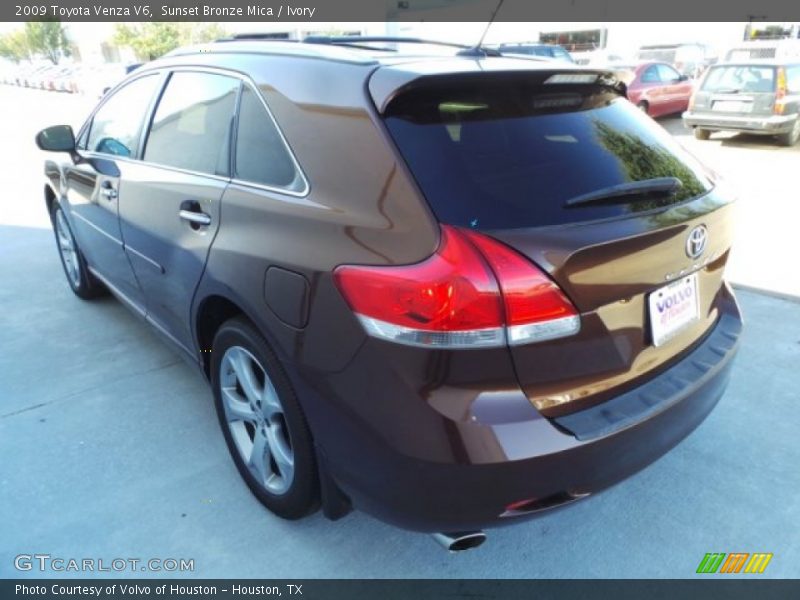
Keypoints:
pixel 109 447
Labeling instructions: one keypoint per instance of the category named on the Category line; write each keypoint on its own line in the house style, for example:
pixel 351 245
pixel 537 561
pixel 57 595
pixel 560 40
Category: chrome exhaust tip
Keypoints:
pixel 460 540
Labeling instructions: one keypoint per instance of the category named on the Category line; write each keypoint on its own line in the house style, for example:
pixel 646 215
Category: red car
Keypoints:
pixel 657 88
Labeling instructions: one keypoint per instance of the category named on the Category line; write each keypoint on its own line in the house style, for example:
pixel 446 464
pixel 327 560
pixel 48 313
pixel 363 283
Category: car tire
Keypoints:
pixel 701 134
pixel 644 107
pixel 263 424
pixel 790 138
pixel 83 284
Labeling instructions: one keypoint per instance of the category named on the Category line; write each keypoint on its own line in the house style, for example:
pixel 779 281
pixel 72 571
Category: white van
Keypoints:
pixel 764 50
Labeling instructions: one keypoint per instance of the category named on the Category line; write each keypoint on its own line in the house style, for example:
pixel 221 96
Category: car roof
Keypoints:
pixel 761 62
pixel 385 72
pixel 280 48
pixel 353 52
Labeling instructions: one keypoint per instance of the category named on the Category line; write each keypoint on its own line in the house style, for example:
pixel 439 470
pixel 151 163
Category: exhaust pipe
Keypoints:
pixel 460 540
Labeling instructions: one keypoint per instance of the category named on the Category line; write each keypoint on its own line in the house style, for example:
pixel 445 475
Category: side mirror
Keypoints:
pixel 58 138
pixel 683 78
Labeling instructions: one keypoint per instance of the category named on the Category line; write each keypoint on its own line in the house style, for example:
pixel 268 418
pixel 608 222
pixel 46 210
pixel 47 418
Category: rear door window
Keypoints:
pixel 495 155
pixel 651 75
pixel 667 74
pixel 262 156
pixel 192 123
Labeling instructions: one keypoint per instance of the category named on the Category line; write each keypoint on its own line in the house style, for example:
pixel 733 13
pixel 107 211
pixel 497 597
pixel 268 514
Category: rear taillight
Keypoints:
pixel 473 292
pixel 535 308
pixel 780 95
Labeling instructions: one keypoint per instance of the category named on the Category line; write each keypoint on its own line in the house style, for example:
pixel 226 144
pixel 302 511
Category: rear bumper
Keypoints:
pixel 535 460
pixel 774 124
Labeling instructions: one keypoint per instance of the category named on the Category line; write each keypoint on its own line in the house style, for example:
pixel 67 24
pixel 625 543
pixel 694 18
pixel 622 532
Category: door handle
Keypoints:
pixel 108 192
pixel 196 218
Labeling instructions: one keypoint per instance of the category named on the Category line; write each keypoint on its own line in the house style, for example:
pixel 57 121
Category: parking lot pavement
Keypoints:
pixel 110 447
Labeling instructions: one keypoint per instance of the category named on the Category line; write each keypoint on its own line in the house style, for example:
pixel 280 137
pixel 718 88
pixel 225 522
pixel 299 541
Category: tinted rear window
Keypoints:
pixel 261 154
pixel 740 78
pixel 510 155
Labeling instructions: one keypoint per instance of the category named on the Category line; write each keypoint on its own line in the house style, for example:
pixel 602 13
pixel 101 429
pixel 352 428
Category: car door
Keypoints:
pixel 653 91
pixel 108 145
pixel 676 89
pixel 169 223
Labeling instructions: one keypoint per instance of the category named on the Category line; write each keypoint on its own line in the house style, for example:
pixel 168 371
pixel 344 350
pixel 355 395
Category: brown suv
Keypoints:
pixel 449 291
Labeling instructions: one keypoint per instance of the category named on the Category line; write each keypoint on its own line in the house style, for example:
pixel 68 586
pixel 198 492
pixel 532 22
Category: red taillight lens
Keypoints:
pixel 473 292
pixel 536 308
pixel 452 292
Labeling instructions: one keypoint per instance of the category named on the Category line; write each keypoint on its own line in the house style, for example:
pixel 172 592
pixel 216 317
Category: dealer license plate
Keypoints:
pixel 672 308
pixel 733 106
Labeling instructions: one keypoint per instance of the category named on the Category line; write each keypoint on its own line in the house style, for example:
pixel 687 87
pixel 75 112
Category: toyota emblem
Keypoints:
pixel 696 242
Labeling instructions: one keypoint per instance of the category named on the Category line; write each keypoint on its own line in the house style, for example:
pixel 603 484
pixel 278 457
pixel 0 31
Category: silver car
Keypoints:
pixel 759 97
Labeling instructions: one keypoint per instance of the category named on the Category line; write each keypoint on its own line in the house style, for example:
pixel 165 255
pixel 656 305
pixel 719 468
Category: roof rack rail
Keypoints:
pixel 362 42
pixel 357 41
pixel 256 35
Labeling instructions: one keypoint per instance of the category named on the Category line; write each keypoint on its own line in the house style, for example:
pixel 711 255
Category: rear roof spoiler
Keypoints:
pixel 388 81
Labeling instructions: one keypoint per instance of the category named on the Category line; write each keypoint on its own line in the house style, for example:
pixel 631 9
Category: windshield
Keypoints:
pixel 740 78
pixel 501 156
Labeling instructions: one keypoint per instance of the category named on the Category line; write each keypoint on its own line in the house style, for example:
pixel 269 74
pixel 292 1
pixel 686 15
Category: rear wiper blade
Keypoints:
pixel 728 90
pixel 625 192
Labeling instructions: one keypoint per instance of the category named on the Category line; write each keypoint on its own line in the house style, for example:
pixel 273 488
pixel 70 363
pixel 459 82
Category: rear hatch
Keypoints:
pixel 533 160
pixel 737 90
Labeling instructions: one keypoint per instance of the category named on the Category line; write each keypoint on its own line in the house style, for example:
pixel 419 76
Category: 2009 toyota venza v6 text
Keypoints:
pixel 451 291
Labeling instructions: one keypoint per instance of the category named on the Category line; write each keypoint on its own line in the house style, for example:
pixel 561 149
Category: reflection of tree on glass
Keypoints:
pixel 641 161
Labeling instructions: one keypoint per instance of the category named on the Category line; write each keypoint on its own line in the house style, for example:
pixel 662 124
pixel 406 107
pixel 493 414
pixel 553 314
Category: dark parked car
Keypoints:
pixel 759 97
pixel 452 293
pixel 656 88
pixel 553 51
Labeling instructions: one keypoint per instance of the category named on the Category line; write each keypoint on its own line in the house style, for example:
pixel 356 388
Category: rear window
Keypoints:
pixel 503 155
pixel 740 78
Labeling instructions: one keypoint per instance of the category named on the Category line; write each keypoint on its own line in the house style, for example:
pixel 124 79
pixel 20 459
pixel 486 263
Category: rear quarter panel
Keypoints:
pixel 362 208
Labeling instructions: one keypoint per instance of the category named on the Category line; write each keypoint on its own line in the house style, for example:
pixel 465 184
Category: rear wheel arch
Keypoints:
pixel 212 312
pixel 791 137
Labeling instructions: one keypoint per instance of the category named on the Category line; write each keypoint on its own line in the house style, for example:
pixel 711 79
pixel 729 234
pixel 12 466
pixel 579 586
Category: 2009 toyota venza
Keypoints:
pixel 449 291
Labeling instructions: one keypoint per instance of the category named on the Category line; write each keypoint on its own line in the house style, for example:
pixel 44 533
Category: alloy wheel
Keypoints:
pixel 256 420
pixel 68 249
